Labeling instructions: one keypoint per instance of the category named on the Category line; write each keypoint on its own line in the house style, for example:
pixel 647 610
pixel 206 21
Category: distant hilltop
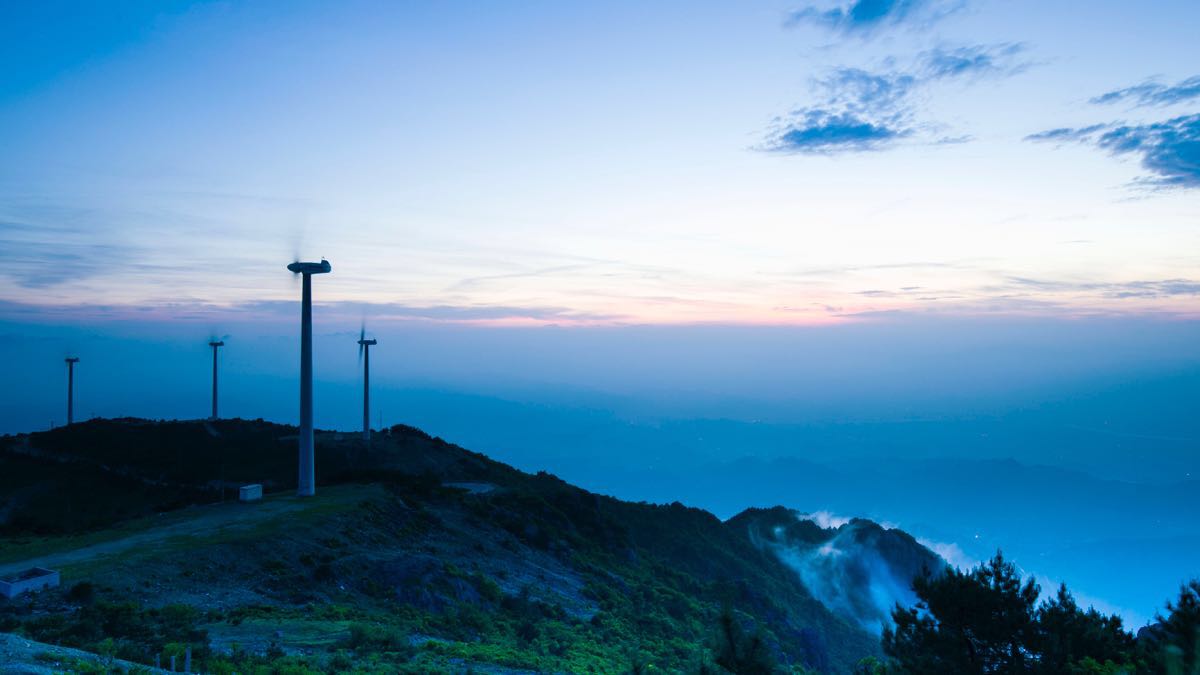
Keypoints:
pixel 422 551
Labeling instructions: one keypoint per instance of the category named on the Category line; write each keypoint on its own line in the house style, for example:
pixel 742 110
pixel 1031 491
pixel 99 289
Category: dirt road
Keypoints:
pixel 200 521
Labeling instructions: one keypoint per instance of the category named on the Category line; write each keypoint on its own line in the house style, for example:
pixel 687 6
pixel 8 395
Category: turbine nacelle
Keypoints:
pixel 370 342
pixel 72 359
pixel 322 267
pixel 217 343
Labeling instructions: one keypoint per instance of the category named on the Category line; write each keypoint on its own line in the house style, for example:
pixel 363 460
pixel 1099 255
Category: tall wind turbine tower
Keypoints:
pixel 306 486
pixel 215 344
pixel 364 355
pixel 71 361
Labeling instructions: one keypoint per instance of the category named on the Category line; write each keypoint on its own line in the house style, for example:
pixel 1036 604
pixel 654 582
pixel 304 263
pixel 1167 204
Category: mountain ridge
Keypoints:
pixel 395 564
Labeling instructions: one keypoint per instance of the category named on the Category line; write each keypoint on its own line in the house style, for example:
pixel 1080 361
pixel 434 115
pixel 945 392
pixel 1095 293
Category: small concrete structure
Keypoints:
pixel 32 579
pixel 250 493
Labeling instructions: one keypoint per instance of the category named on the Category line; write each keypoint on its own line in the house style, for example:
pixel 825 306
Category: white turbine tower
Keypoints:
pixel 306 486
pixel 71 361
pixel 215 344
pixel 364 355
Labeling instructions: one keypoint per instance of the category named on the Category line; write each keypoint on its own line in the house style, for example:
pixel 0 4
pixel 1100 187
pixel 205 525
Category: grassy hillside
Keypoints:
pixel 416 555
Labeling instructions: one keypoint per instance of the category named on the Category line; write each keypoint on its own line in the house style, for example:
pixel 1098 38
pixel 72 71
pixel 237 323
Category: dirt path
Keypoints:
pixel 22 655
pixel 474 487
pixel 200 521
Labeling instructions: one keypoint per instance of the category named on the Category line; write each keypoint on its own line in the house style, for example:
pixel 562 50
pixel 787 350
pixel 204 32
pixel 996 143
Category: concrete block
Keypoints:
pixel 32 579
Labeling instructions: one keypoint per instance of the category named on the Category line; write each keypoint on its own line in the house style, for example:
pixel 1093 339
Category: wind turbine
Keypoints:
pixel 306 485
pixel 364 355
pixel 215 344
pixel 71 361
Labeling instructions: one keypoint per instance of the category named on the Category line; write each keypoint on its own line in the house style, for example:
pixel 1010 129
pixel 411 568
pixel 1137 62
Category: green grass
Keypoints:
pixel 235 520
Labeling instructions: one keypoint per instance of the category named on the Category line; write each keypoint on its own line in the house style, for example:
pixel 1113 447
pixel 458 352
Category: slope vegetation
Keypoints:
pixel 416 555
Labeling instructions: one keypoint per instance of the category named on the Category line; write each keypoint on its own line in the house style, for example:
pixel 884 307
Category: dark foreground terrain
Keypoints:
pixel 419 556
pixel 415 555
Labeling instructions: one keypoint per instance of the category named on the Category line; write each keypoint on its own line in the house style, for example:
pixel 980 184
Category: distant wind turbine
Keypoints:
pixel 364 355
pixel 71 361
pixel 215 344
pixel 306 485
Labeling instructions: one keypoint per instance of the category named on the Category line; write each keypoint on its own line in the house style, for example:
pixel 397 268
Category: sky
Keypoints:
pixel 606 162
pixel 608 238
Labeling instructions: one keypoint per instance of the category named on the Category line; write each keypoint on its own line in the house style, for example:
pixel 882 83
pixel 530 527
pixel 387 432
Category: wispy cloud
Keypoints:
pixel 862 110
pixel 1169 150
pixel 1151 93
pixel 490 313
pixel 1066 134
pixel 849 269
pixel 472 282
pixel 825 132
pixel 56 249
pixel 438 313
pixel 865 92
pixel 1158 288
pixel 350 313
pixel 1002 293
pixel 974 61
pixel 867 16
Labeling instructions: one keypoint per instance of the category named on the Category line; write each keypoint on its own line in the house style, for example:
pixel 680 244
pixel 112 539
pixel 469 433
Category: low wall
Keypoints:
pixel 33 579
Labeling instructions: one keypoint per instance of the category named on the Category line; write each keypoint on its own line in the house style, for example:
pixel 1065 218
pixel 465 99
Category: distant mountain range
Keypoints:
pixel 1060 524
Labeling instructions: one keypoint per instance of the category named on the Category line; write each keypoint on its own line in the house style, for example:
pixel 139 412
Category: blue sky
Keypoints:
pixel 871 229
pixel 612 163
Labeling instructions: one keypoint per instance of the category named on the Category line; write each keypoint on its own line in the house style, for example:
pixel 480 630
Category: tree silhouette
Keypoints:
pixel 1067 636
pixel 736 651
pixel 981 621
pixel 986 621
pixel 1173 644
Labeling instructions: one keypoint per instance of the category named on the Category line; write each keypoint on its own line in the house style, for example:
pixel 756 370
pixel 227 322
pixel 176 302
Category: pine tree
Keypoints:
pixel 966 623
pixel 1067 636
pixel 1173 645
